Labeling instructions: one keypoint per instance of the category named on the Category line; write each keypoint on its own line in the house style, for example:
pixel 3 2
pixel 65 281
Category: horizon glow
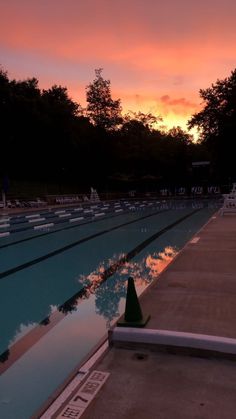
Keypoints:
pixel 157 56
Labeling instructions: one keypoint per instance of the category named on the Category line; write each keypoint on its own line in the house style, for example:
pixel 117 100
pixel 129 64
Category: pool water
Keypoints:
pixel 62 286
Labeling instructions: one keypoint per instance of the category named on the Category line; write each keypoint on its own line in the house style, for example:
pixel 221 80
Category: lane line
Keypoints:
pixel 93 220
pixel 65 248
pixel 68 227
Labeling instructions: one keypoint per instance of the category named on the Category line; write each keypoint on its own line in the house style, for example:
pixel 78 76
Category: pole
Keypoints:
pixel 4 199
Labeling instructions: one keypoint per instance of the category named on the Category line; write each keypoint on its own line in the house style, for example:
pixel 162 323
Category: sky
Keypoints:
pixel 157 54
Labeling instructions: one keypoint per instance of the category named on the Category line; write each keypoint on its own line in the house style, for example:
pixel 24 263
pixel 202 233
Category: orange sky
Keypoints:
pixel 156 54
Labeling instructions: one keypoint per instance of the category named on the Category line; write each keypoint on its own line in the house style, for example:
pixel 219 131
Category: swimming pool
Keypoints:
pixel 63 283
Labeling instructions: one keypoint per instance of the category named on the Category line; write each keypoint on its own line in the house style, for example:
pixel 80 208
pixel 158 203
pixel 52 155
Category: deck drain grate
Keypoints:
pixel 140 356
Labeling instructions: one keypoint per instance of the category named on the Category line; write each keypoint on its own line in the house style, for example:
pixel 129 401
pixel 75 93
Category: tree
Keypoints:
pixel 59 128
pixel 148 120
pixel 102 109
pixel 179 135
pixel 57 97
pixel 217 124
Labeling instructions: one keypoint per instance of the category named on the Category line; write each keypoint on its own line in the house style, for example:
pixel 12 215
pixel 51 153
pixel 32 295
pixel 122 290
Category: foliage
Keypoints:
pixel 46 136
pixel 217 124
pixel 102 109
pixel 147 120
pixel 218 115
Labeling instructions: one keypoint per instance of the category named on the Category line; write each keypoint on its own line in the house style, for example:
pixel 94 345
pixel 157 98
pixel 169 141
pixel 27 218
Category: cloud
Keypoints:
pixel 182 103
pixel 162 105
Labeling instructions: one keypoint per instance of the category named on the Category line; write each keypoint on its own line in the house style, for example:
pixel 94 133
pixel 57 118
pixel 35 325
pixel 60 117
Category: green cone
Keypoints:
pixel 133 316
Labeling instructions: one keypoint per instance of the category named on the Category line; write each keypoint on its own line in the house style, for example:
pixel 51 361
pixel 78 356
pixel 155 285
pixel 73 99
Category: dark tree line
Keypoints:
pixel 217 126
pixel 45 135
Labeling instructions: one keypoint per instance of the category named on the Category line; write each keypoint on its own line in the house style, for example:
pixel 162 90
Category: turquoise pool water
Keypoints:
pixel 62 286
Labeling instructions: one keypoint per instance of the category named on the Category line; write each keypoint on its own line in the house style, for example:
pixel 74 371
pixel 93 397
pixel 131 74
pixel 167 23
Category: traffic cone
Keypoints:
pixel 133 316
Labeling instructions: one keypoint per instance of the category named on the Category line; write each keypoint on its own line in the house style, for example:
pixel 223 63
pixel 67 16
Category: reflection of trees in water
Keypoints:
pixel 45 321
pixel 108 293
pixel 108 296
pixel 4 356
pixel 108 283
pixel 71 305
pixel 110 288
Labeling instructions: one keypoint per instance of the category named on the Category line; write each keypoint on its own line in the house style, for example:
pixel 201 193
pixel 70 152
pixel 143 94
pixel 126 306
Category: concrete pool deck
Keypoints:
pixel 196 295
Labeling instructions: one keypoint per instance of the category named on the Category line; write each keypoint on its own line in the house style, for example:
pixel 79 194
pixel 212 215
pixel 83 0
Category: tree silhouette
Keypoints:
pixel 217 124
pixel 45 136
pixel 102 109
pixel 147 120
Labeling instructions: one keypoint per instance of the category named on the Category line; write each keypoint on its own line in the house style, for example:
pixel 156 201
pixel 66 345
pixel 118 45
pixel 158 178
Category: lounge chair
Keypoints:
pixel 181 191
pixel 40 202
pixel 229 205
pixel 10 204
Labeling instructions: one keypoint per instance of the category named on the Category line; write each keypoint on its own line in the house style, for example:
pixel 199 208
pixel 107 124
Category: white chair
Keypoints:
pixel 181 191
pixel 234 188
pixel 10 204
pixel 229 205
pixel 216 190
pixel 40 202
pixel 18 204
pixel 94 196
pixel 164 192
pixel 199 190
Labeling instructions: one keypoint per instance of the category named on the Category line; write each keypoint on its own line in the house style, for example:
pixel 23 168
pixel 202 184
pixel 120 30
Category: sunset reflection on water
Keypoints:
pixel 109 290
pixel 143 271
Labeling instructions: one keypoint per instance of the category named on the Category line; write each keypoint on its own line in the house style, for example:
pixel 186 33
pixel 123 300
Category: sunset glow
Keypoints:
pixel 157 55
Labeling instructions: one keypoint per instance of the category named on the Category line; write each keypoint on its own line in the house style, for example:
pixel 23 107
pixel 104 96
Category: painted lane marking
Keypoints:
pixel 65 215
pixel 84 396
pixel 72 220
pixel 119 210
pixel 99 214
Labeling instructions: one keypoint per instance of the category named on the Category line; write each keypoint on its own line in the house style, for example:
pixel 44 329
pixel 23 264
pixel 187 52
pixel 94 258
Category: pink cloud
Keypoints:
pixel 182 102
